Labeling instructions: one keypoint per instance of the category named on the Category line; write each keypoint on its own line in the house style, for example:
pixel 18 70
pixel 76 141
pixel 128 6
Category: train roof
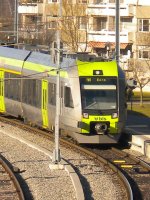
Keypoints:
pixel 13 53
pixel 34 57
pixel 16 59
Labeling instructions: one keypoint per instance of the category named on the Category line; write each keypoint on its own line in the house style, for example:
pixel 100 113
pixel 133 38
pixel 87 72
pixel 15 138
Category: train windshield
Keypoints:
pixel 99 97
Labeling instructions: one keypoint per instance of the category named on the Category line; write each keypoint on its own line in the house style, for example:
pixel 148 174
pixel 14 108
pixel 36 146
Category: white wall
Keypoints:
pixel 139 2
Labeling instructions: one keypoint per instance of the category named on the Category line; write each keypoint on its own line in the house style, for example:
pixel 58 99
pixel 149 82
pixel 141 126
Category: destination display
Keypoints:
pixel 98 80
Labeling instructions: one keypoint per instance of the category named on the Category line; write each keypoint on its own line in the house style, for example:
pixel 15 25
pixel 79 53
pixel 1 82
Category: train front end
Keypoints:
pixel 102 102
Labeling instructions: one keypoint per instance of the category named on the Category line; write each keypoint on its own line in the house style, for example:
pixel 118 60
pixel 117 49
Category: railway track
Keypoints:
pixel 133 173
pixel 136 171
pixel 9 186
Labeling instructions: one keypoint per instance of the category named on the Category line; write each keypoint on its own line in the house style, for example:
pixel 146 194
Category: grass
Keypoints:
pixel 144 110
pixel 136 95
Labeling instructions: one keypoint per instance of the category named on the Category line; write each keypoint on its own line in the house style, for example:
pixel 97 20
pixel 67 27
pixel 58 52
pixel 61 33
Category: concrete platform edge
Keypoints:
pixel 140 142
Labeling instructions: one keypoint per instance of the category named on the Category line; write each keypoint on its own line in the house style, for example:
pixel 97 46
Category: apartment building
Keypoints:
pixel 30 24
pixel 6 19
pixel 101 34
pixel 89 25
pixel 39 22
pixel 134 27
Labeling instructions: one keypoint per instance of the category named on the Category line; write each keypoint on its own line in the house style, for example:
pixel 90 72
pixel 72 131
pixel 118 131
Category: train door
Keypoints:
pixel 45 103
pixel 2 104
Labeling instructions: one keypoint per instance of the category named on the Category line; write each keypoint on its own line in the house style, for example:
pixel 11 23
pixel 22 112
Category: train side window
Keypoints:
pixel 68 98
pixel 12 81
pixel 32 92
pixel 38 93
pixel 29 92
pixel 7 84
pixel 52 93
pixel 25 91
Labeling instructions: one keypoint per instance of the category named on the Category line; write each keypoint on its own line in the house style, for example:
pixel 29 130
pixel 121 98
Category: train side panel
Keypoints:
pixel 71 111
pixel 11 63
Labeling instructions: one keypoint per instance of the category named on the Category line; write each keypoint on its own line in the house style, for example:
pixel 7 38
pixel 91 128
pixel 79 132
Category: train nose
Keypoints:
pixel 101 128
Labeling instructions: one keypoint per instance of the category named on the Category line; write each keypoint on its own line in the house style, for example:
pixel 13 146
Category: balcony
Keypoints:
pixel 108 36
pixel 109 10
pixel 30 8
pixel 30 1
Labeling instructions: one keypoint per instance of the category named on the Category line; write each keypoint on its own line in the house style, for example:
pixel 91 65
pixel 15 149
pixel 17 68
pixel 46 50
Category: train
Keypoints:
pixel 92 97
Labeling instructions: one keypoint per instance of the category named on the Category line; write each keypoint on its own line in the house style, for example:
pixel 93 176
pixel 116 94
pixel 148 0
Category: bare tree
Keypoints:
pixel 141 74
pixel 74 26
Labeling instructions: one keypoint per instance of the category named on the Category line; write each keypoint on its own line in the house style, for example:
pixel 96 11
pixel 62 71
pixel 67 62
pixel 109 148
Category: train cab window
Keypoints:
pixel 68 98
pixel 52 93
pixel 99 97
pixel 12 81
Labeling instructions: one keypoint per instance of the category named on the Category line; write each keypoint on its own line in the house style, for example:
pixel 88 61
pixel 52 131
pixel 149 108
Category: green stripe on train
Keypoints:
pixel 2 102
pixel 48 70
pixel 11 62
pixel 45 103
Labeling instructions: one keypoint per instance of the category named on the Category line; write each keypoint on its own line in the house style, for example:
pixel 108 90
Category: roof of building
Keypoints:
pixel 94 44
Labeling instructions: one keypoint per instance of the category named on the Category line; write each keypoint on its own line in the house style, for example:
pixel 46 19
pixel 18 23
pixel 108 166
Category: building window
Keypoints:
pixel 98 1
pixel 111 1
pixel 144 54
pixel 99 23
pixel 51 21
pixel 83 1
pixel 53 1
pixel 106 1
pixel 144 25
pixel 83 23
pixel 111 24
pixel 52 25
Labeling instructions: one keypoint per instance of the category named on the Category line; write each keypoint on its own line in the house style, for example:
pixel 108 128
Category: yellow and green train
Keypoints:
pixel 92 94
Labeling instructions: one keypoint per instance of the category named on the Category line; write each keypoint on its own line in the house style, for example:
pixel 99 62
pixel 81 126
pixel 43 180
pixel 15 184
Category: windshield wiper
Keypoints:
pixel 92 104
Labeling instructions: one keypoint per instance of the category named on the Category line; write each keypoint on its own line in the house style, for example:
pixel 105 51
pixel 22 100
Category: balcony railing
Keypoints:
pixel 105 36
pixel 109 9
pixel 30 9
pixel 30 1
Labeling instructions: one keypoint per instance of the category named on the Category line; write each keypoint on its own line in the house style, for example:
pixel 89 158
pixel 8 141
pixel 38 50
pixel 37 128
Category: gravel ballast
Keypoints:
pixel 43 183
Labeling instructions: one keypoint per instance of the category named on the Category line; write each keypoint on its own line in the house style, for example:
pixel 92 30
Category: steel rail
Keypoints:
pixel 106 162
pixel 137 160
pixel 13 178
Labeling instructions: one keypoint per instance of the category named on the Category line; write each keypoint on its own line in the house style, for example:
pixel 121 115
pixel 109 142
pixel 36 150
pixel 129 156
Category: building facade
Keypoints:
pixel 40 21
pixel 6 20
pixel 89 25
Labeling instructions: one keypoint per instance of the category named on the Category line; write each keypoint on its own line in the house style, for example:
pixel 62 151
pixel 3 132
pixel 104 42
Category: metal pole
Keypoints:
pixel 56 153
pixel 16 22
pixel 117 31
pixel 118 47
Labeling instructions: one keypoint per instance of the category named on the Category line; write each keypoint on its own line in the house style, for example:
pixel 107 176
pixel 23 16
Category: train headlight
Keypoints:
pixel 114 115
pixel 97 72
pixel 85 115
